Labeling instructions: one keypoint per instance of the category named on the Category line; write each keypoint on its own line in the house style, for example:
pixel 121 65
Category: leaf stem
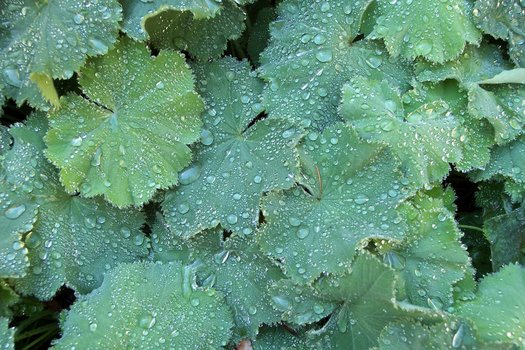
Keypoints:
pixel 469 227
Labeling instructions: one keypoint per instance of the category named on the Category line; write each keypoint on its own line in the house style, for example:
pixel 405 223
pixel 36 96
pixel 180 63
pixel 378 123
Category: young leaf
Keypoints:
pixel 151 306
pixel 128 136
pixel 424 140
pixel 311 54
pixel 498 311
pixel 348 194
pixel 430 259
pixel 437 31
pixel 74 240
pixel 236 161
pixel 51 38
pixel 200 27
pixel 504 20
pixel 236 267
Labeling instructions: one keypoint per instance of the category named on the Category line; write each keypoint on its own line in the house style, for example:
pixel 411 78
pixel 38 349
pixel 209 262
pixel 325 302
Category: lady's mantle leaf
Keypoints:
pixel 236 267
pixel 348 194
pixel 498 312
pixel 504 20
pixel 431 259
pixel 7 335
pixel 128 137
pixel 201 27
pixel 311 55
pixel 52 38
pixel 424 140
pixel 74 240
pixel 149 306
pixel 236 161
pixel 278 338
pixel 436 30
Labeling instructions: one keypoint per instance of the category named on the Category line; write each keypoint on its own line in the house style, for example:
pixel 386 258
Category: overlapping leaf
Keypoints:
pixel 236 161
pixel 127 136
pixel 498 312
pixel 437 31
pixel 431 259
pixel 236 267
pixel 348 193
pixel 44 40
pixel 8 298
pixel 504 20
pixel 277 338
pixel 496 100
pixel 424 139
pixel 74 240
pixel 201 27
pixel 311 54
pixel 151 306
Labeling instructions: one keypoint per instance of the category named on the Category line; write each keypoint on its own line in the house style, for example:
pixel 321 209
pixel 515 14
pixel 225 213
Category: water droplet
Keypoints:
pixel 78 18
pixel 189 175
pixel 77 141
pixel 252 310
pixel 99 46
pixel 281 302
pixel 324 55
pixel 318 309
pixel 93 327
pixel 195 302
pixel 126 232
pixel 232 219
pixel 361 199
pixel 257 179
pixel 206 137
pixel 424 47
pixel 458 337
pixel 320 39
pixel 302 233
pixel 160 85
pixel 183 208
pixel 14 212
pixel 146 321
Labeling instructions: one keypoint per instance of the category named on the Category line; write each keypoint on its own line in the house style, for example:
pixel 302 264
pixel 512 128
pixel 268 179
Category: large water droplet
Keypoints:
pixel 14 212
pixel 189 175
pixel 324 55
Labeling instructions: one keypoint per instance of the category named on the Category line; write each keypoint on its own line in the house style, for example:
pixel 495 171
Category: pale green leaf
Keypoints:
pixel 235 162
pixel 425 140
pixel 5 138
pixel 149 306
pixel 311 55
pixel 504 20
pixel 74 240
pixel 202 27
pixel 52 38
pixel 436 30
pixel 235 266
pixel 474 136
pixel 431 258
pixel 278 338
pixel 348 194
pixel 127 136
pixel 8 298
pixel 498 312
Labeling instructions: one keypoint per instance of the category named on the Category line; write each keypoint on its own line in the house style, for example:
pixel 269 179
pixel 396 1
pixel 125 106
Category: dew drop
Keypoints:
pixel 324 55
pixel 15 212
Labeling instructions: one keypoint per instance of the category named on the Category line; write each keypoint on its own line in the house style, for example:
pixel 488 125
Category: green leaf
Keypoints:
pixel 475 65
pixel 127 137
pixel 52 38
pixel 198 26
pixel 504 20
pixel 474 136
pixel 278 338
pixel 236 267
pixel 441 336
pixel 260 33
pixel 425 140
pixel 498 312
pixel 431 258
pixel 506 234
pixel 74 240
pixel 311 55
pixel 347 194
pixel 366 305
pixel 437 30
pixel 235 161
pixel 7 335
pixel 506 160
pixel 8 298
pixel 153 306
pixel 5 138
pixel 16 218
